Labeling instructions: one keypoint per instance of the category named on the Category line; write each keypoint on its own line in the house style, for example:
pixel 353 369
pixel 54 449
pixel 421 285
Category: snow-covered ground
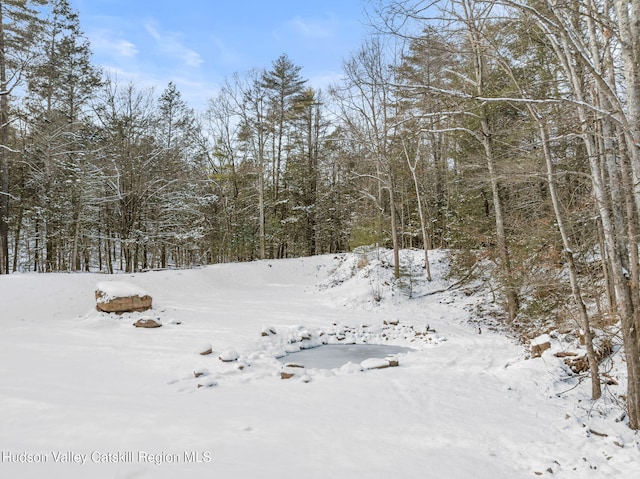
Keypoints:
pixel 85 394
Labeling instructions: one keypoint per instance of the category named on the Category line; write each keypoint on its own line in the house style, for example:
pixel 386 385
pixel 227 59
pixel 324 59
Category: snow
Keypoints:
pixel 118 289
pixel 374 363
pixel 88 386
pixel 204 349
pixel 542 339
pixel 230 355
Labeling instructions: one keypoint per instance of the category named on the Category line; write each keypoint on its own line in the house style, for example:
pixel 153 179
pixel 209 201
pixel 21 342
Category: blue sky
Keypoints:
pixel 197 43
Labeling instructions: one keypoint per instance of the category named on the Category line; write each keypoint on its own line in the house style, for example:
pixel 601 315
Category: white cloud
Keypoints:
pixel 110 44
pixel 312 28
pixel 170 44
pixel 224 53
pixel 125 48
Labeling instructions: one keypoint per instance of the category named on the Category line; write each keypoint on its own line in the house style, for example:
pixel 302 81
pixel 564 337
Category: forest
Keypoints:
pixel 505 131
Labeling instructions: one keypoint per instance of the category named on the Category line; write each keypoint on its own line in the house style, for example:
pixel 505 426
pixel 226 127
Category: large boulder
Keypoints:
pixel 121 297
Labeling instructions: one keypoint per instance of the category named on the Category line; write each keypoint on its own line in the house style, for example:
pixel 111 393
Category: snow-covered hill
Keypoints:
pixel 85 394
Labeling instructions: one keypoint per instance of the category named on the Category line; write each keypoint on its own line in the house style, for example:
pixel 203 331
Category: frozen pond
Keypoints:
pixel 332 356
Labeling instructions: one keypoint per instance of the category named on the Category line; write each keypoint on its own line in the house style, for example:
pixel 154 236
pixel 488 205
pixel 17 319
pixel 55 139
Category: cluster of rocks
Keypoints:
pixel 391 330
pixel 302 338
pixel 289 370
pixel 577 362
pixel 228 356
pixel 299 338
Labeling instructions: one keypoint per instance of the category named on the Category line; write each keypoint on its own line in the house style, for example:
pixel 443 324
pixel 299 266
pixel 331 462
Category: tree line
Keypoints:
pixel 507 131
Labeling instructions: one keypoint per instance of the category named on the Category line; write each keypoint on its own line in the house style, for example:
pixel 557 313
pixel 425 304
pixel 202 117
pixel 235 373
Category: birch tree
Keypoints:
pixel 578 47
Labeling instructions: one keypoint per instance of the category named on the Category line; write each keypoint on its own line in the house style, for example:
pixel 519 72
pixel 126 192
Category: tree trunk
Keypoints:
pixel 628 14
pixel 75 256
pixel 604 207
pixel 485 136
pixel 623 294
pixel 394 230
pixel 261 215
pixel 50 261
pixel 596 390
pixel 16 239
pixel 108 256
pixel 426 241
pixel 36 254
pixel 4 160
pixel 501 235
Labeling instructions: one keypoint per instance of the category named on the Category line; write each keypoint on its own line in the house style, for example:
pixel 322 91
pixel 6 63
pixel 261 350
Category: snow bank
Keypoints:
pixel 540 340
pixel 471 406
pixel 375 363
pixel 118 289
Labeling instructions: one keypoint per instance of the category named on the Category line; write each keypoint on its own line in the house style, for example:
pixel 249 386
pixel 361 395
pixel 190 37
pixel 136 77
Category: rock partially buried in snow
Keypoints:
pixel 205 349
pixel 291 369
pixel 377 363
pixel 540 345
pixel 293 365
pixel 393 362
pixel 229 356
pixel 147 323
pixel 207 384
pixel 305 335
pixel 268 331
pixel 200 372
pixel 121 297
